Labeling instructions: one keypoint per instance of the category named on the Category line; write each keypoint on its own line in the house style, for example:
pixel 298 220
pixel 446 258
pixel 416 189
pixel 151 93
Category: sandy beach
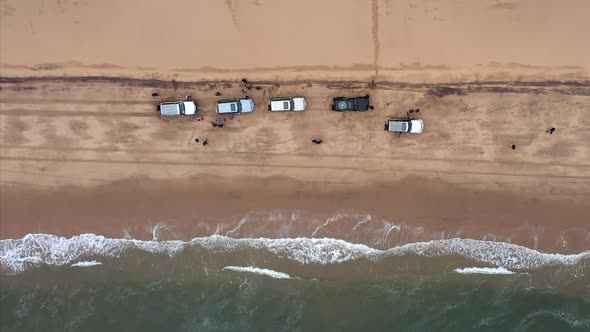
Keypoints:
pixel 82 149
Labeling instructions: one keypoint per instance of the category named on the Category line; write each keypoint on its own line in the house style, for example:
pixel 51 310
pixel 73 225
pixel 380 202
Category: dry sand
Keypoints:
pixel 89 154
pixel 406 41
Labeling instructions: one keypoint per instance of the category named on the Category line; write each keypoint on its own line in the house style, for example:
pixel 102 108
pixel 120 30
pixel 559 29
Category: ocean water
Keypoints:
pixel 219 283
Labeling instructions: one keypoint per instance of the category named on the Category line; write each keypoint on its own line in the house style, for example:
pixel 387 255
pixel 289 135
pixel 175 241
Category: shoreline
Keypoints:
pixel 379 216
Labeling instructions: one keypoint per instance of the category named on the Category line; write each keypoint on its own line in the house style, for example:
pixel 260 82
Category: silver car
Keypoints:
pixel 244 105
pixel 178 108
pixel 404 125
pixel 287 104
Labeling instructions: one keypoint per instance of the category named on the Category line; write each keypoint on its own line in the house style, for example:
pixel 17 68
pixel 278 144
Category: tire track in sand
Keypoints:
pixel 375 32
pixel 278 165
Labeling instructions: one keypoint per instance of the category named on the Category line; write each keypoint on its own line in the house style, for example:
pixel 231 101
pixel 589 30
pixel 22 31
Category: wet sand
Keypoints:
pixel 379 216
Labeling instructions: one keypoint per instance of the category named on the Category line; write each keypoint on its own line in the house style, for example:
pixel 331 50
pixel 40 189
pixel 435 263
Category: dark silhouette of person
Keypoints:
pixel 513 147
pixel 217 94
pixel 155 95
pixel 205 142
pixel 197 140
pixel 214 124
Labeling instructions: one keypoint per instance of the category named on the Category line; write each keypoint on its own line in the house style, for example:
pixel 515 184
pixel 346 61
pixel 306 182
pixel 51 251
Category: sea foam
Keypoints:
pixel 256 270
pixel 16 255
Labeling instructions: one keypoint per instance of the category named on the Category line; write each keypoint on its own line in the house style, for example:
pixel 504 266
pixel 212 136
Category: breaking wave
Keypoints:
pixel 86 264
pixel 16 255
pixel 483 270
pixel 256 270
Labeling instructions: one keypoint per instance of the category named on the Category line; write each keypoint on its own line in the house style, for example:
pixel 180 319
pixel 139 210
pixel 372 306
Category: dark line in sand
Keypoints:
pixel 434 89
pixel 259 165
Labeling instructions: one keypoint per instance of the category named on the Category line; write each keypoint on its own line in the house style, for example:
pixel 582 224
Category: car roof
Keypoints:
pixel 225 106
pixel 398 125
pixel 279 104
pixel 170 108
pixel 354 103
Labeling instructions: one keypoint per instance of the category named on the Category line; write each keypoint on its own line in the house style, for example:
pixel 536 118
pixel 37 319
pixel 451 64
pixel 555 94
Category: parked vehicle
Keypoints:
pixel 404 125
pixel 357 104
pixel 244 105
pixel 287 104
pixel 178 108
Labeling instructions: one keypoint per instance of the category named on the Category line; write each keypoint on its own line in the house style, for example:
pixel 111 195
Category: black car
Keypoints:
pixel 357 104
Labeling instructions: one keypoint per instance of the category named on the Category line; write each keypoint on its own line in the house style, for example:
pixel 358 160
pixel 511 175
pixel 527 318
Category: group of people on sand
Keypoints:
pixel 313 140
pixel 205 142
pixel 549 131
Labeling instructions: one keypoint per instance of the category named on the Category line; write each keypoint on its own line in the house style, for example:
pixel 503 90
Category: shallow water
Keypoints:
pixel 217 283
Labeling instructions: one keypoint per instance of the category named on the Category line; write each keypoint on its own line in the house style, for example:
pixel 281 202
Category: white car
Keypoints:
pixel 244 105
pixel 404 125
pixel 287 104
pixel 178 108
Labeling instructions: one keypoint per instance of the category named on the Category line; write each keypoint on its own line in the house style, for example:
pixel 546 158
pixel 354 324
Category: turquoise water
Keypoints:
pixel 223 284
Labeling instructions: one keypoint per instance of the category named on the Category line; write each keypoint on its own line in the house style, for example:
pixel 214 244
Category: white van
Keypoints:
pixel 397 125
pixel 244 105
pixel 178 108
pixel 287 104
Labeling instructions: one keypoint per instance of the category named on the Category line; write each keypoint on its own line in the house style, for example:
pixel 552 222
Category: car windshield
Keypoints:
pixel 181 107
pixel 233 107
pixel 286 105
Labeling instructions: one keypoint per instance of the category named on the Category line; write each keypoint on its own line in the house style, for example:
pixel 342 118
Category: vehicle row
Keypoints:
pixel 295 104
pixel 246 105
